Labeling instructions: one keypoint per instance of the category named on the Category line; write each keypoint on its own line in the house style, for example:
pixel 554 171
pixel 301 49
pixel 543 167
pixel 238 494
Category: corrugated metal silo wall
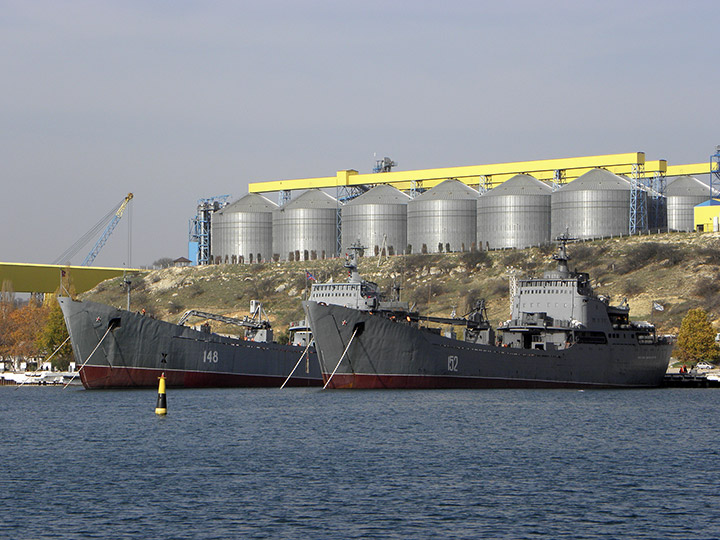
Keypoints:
pixel 442 221
pixel 371 223
pixel 680 213
pixel 304 229
pixel 590 213
pixel 657 212
pixel 241 234
pixel 513 221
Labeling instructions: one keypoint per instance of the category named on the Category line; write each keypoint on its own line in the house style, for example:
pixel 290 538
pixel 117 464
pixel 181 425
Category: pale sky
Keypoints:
pixel 180 100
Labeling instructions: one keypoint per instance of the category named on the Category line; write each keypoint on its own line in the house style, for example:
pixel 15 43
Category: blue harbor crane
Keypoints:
pixel 109 221
pixel 90 258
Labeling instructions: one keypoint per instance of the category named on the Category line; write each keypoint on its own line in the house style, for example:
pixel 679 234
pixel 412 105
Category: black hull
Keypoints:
pixel 138 348
pixel 388 354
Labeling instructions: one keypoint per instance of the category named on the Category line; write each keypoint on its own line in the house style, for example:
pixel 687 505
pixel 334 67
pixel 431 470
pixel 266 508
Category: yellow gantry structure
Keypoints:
pixel 486 176
pixel 559 171
pixel 689 170
pixel 47 278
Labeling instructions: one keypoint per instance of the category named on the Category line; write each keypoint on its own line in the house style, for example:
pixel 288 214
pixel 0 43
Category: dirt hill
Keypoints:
pixel 680 271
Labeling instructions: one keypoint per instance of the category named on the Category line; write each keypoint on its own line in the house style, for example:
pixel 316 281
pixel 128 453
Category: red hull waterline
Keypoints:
pixel 95 377
pixel 373 382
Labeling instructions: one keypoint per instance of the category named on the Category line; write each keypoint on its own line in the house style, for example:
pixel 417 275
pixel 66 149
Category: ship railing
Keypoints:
pixel 298 325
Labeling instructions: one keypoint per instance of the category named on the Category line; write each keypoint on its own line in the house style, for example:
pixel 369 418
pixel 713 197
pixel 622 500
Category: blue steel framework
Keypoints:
pixel 638 210
pixel 284 197
pixel 200 225
pixel 714 170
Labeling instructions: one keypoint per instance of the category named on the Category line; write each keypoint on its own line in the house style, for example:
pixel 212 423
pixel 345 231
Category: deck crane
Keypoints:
pixel 111 220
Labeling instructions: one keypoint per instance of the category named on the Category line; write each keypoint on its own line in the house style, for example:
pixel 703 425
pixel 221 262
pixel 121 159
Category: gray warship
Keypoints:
pixel 560 335
pixel 122 349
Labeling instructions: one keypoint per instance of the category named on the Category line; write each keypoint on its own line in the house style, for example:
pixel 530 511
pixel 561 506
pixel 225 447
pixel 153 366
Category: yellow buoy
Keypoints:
pixel 162 398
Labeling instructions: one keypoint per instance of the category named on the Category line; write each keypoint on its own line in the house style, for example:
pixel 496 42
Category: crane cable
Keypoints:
pixel 82 241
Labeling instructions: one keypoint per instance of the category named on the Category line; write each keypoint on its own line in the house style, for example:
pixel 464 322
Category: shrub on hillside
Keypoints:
pixel 472 258
pixel 497 287
pixel 263 287
pixel 581 253
pixel 137 284
pixel 674 255
pixel 636 258
pixel 709 254
pixel 649 252
pixel 633 287
pixel 515 258
pixel 706 288
pixel 414 263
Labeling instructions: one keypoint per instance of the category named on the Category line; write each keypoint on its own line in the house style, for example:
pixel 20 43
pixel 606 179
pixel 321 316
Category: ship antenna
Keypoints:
pixel 351 262
pixel 561 256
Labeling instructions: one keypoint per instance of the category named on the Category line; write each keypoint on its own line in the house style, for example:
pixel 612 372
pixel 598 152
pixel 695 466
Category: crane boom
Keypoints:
pixel 108 231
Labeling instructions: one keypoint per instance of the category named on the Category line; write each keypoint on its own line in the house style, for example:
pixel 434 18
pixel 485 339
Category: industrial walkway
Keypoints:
pixel 46 278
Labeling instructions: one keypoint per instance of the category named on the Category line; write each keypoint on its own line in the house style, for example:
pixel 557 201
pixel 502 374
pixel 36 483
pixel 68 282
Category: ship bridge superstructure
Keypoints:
pixel 561 308
pixel 561 298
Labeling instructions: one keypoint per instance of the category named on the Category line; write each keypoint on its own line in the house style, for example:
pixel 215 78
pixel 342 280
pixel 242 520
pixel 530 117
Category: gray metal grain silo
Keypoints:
pixel 306 227
pixel 242 231
pixel 683 194
pixel 377 219
pixel 444 216
pixel 515 214
pixel 594 205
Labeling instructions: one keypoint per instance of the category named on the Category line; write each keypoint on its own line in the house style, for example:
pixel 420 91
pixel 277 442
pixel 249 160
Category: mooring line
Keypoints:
pixel 110 327
pixel 298 363
pixel 341 358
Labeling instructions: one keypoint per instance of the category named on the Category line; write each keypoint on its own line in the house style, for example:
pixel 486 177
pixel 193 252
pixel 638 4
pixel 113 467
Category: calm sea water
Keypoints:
pixel 300 463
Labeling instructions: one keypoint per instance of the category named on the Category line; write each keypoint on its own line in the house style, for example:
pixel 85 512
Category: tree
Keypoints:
pixel 53 334
pixel 163 262
pixel 696 340
pixel 23 326
pixel 7 306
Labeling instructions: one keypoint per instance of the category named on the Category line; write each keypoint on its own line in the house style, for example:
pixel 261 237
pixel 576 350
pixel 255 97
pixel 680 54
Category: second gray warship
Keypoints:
pixel 560 335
